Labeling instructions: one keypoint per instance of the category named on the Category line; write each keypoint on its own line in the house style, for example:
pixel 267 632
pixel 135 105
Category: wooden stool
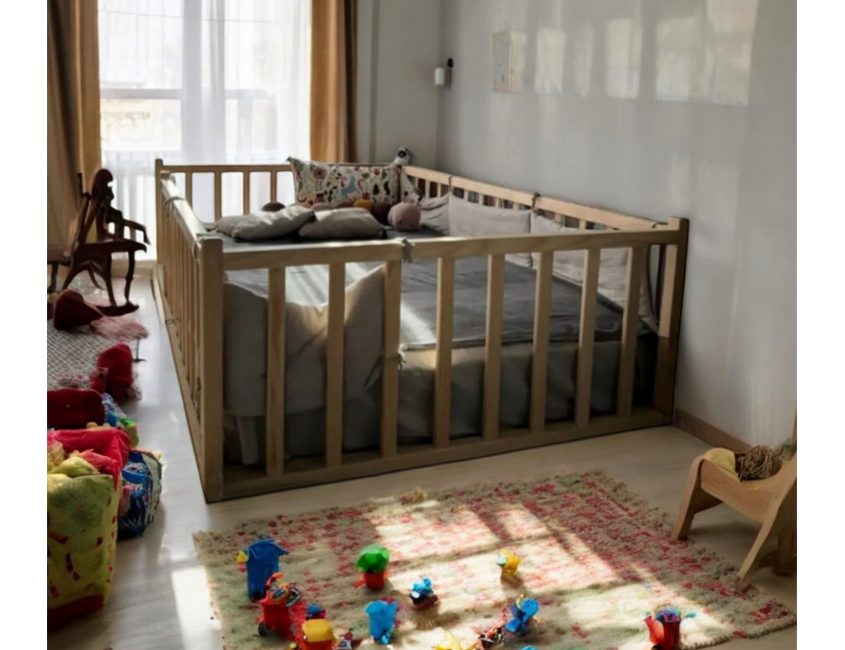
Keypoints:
pixel 771 502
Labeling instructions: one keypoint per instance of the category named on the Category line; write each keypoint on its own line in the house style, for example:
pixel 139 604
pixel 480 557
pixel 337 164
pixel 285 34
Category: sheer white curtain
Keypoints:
pixel 202 81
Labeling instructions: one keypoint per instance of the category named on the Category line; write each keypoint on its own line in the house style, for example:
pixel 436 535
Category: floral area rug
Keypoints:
pixel 595 557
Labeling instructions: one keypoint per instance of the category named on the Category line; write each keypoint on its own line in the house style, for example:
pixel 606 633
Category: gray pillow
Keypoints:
pixel 266 225
pixel 613 268
pixel 474 220
pixel 434 214
pixel 343 223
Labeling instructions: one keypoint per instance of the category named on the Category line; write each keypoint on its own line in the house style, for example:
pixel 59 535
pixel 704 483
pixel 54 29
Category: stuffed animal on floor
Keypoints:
pixel 113 374
pixel 74 408
pixel 70 310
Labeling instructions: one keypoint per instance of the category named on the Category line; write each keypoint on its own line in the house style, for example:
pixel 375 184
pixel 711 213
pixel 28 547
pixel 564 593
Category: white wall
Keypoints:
pixel 666 107
pixel 398 44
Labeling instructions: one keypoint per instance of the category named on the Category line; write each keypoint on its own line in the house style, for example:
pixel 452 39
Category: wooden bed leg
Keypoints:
pixel 670 319
pixel 211 360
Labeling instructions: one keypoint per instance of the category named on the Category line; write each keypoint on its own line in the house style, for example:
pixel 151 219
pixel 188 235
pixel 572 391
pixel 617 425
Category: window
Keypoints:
pixel 201 81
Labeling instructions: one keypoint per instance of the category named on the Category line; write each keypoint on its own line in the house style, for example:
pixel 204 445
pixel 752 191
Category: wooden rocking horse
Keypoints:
pixel 92 252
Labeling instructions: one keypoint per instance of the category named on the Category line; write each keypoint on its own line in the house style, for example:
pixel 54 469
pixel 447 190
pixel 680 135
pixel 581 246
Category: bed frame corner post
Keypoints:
pixel 671 299
pixel 211 345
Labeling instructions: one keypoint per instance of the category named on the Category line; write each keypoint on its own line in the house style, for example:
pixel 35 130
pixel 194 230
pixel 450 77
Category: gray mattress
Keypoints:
pixel 245 357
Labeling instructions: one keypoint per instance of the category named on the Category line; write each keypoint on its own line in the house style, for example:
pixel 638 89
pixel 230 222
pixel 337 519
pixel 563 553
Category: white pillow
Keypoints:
pixel 362 349
pixel 266 225
pixel 613 268
pixel 434 214
pixel 468 219
pixel 343 223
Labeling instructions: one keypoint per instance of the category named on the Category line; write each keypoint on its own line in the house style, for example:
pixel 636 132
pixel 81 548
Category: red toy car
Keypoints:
pixel 275 607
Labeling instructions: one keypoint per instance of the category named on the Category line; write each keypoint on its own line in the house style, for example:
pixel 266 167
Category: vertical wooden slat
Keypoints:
pixel 493 345
pixel 274 186
pixel 630 329
pixel 197 307
pixel 334 365
pixel 275 429
pixel 586 338
pixel 167 260
pixel 246 192
pixel 211 360
pixel 159 166
pixel 190 348
pixel 443 371
pixel 670 319
pixel 178 288
pixel 218 195
pixel 390 363
pixel 540 357
pixel 189 187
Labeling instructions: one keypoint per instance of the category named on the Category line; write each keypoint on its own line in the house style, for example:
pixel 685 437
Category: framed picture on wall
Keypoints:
pixel 509 53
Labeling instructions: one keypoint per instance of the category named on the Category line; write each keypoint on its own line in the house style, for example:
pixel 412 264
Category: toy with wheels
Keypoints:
pixel 275 607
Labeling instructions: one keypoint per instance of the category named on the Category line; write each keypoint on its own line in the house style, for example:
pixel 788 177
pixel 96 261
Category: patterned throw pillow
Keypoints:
pixel 317 182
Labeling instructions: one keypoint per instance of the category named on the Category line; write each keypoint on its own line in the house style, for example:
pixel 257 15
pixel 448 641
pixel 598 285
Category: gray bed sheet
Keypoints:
pixel 245 357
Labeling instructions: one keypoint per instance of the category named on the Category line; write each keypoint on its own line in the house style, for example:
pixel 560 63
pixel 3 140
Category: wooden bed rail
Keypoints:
pixel 191 269
pixel 217 172
pixel 190 276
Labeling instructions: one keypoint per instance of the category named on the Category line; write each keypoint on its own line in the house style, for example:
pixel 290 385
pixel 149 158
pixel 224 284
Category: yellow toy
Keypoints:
pixel 450 642
pixel 509 563
pixel 318 634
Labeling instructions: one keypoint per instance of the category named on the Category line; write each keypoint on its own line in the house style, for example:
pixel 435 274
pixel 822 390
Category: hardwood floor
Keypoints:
pixel 160 600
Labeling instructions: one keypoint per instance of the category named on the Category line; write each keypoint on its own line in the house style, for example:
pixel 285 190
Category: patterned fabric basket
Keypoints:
pixel 142 490
pixel 82 502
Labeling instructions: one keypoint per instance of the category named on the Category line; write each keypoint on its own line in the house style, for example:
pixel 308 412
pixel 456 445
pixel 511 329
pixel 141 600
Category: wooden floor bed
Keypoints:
pixel 190 277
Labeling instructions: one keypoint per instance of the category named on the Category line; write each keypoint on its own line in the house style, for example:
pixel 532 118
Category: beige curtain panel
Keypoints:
pixel 73 109
pixel 333 42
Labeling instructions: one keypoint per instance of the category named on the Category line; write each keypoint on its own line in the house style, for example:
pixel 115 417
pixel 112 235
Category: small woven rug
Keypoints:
pixel 72 355
pixel 596 557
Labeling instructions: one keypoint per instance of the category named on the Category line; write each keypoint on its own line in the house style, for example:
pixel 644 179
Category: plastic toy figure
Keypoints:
pixel 262 561
pixel 348 642
pixel 664 627
pixel 522 611
pixel 372 562
pixel 516 621
pixel 423 596
pixel 275 612
pixel 317 634
pixel 494 636
pixel 509 563
pixel 382 615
